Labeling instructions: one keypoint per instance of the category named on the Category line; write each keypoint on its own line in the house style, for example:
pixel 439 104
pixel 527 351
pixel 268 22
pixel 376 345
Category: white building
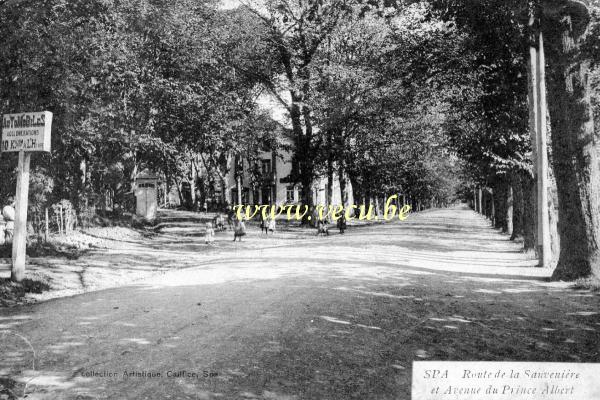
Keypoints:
pixel 273 185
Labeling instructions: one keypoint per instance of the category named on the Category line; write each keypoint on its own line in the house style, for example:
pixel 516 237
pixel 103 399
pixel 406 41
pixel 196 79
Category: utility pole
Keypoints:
pixel 544 220
pixel 20 238
pixel 538 111
pixel 24 133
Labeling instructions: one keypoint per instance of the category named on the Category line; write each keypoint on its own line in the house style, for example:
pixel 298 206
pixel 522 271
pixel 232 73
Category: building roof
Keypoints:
pixel 147 175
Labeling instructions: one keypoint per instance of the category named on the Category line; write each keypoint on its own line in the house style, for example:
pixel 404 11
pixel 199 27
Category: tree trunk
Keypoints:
pixel 493 207
pixel 483 203
pixel 193 177
pixel 574 149
pixel 357 190
pixel 553 220
pixel 530 186
pixel 500 206
pixel 544 240
pixel 552 199
pixel 167 183
pixel 303 165
pixel 274 199
pixel 178 185
pixel 329 193
pixel 343 183
pixel 509 210
pixel 528 189
pixel 486 204
pixel 517 212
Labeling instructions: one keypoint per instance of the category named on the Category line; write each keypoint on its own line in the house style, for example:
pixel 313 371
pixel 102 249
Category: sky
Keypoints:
pixel 267 102
pixel 229 4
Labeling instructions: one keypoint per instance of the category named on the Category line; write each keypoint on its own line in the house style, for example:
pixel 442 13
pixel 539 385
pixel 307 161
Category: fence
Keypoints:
pixel 62 218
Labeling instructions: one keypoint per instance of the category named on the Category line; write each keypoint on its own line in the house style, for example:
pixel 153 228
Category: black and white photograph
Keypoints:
pixel 300 199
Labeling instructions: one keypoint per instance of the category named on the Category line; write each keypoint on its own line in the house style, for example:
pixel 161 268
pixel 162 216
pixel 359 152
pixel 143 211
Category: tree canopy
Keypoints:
pixel 428 99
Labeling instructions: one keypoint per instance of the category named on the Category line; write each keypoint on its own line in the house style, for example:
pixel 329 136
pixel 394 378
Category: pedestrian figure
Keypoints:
pixel 2 229
pixel 209 236
pixel 239 229
pixel 8 212
pixel 230 217
pixel 219 222
pixel 322 228
pixel 271 225
pixel 264 225
pixel 341 224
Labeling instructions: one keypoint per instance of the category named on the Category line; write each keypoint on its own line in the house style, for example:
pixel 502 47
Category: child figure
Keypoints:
pixel 341 224
pixel 230 216
pixel 209 236
pixel 272 225
pixel 219 222
pixel 322 228
pixel 239 229
pixel 264 225
pixel 8 212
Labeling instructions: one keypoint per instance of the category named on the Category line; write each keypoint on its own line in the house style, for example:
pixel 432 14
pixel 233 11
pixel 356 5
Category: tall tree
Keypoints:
pixel 297 30
pixel 565 25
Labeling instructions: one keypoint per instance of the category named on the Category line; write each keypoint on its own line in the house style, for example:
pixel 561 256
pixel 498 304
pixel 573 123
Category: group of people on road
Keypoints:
pixel 266 225
pixel 323 226
pixel 218 225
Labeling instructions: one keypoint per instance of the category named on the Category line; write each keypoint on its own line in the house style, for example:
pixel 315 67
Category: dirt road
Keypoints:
pixel 341 317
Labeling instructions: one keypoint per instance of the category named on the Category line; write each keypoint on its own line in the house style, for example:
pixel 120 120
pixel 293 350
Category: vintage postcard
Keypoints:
pixel 300 199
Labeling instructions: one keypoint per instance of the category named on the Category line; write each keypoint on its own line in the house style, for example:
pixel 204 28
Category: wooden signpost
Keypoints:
pixel 24 133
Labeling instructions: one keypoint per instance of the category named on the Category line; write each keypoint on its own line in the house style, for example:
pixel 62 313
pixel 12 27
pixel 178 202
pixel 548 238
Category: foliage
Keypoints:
pixel 132 85
pixel 420 98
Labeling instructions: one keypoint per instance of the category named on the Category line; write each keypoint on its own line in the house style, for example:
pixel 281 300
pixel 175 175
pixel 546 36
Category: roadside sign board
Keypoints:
pixel 23 133
pixel 26 131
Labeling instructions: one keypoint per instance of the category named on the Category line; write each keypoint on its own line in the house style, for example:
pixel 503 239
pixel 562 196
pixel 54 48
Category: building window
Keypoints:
pixel 265 167
pixel 290 194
